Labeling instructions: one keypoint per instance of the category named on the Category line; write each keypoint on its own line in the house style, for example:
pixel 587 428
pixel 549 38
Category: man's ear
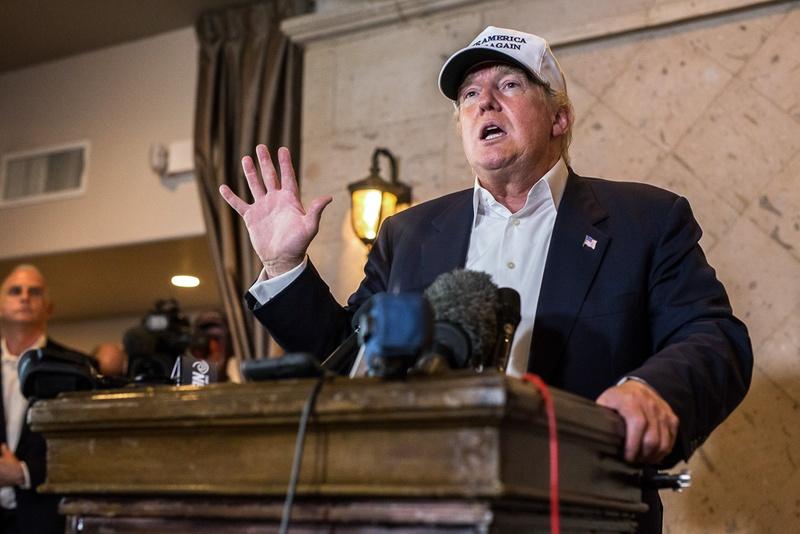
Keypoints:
pixel 561 122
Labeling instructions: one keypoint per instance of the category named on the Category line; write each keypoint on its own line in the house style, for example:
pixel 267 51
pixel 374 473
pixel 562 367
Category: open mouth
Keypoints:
pixel 491 131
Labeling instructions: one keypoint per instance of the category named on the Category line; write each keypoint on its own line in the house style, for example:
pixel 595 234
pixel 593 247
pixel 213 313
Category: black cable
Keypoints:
pixel 298 455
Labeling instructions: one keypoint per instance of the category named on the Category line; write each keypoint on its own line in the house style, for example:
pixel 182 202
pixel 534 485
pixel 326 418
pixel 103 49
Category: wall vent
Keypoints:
pixel 44 174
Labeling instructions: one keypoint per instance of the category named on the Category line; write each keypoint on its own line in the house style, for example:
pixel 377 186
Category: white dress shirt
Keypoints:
pixel 510 247
pixel 15 407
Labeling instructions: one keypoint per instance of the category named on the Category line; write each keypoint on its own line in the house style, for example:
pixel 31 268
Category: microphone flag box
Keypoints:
pixel 191 371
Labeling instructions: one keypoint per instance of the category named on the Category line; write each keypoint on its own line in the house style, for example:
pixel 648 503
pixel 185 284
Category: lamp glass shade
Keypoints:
pixel 369 208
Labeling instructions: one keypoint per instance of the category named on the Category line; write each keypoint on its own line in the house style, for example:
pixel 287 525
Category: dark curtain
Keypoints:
pixel 248 92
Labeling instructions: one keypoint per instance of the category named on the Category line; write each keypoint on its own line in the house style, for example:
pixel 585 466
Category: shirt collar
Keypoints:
pixel 40 342
pixel 555 179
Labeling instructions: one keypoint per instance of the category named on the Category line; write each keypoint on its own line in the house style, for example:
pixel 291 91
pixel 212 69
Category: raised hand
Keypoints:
pixel 650 424
pixel 280 228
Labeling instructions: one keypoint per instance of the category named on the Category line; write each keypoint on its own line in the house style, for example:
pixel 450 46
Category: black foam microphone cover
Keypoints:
pixel 468 299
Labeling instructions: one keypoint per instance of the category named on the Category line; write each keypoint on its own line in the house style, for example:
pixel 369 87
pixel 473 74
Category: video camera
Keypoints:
pixel 152 347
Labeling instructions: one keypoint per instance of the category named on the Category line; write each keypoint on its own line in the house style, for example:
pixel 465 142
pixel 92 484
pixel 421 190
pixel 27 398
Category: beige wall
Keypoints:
pixel 709 108
pixel 120 99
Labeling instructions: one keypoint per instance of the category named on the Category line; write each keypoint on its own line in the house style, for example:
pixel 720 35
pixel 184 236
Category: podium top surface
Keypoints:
pixel 455 396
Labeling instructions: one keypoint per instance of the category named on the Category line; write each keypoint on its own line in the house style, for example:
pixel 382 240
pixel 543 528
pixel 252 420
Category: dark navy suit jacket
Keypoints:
pixel 36 512
pixel 642 302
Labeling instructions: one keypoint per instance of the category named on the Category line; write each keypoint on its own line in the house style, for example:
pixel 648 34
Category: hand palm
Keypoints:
pixel 279 226
pixel 280 229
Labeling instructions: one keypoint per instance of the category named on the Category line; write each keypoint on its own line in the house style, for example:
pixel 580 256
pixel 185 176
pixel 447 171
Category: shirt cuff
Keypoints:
pixel 635 379
pixel 265 290
pixel 27 475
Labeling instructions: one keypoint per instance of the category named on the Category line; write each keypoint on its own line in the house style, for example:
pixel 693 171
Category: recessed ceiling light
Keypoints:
pixel 185 280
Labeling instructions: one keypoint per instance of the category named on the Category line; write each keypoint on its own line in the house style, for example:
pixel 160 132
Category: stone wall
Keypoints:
pixel 691 96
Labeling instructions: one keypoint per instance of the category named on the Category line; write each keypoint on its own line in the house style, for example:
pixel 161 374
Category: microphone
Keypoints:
pixel 341 359
pixel 464 304
pixel 393 333
pixel 508 318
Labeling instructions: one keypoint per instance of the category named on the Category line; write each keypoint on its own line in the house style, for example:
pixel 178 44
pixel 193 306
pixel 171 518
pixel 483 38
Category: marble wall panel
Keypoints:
pixel 596 65
pixel 652 91
pixel 714 214
pixel 779 358
pixel 319 72
pixel 731 40
pixel 390 76
pixel 742 468
pixel 775 69
pixel 762 278
pixel 419 146
pixel 783 510
pixel 458 173
pixel 739 144
pixel 582 101
pixel 548 18
pixel 606 146
pixel 777 211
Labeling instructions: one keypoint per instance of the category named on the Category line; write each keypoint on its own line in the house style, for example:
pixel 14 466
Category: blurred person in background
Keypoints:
pixel 212 342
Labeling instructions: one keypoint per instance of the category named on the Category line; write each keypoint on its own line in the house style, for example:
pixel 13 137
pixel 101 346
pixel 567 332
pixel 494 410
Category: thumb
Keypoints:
pixel 4 450
pixel 316 207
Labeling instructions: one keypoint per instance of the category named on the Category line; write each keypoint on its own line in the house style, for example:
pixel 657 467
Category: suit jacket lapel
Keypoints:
pixel 445 247
pixel 577 247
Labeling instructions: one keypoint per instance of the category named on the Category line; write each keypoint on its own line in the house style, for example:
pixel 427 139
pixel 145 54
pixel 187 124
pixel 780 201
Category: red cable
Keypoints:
pixel 555 518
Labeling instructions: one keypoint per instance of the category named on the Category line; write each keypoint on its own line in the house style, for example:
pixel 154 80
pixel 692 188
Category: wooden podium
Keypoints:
pixel 455 453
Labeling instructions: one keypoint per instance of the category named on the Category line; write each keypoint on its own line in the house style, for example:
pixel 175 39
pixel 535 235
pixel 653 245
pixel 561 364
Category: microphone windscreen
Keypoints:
pixel 469 300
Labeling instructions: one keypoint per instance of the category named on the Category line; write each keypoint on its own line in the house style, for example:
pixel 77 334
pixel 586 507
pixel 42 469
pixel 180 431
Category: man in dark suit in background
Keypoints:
pixel 25 308
pixel 618 302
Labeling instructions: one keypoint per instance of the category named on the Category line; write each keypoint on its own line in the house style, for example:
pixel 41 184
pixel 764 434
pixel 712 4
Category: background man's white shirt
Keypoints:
pixel 15 407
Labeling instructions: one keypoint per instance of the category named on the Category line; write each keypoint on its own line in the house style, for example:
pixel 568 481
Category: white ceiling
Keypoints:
pixel 34 31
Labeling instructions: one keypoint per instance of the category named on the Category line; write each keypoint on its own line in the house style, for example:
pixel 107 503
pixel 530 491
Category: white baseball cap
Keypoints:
pixel 525 50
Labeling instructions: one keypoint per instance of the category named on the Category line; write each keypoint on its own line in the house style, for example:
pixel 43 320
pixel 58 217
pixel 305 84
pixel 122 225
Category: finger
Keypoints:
pixel 253 182
pixel 267 168
pixel 233 200
pixel 650 450
pixel 316 207
pixel 665 443
pixel 635 426
pixel 669 434
pixel 288 179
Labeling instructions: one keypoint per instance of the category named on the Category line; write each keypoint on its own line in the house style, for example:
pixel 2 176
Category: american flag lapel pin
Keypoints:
pixel 589 242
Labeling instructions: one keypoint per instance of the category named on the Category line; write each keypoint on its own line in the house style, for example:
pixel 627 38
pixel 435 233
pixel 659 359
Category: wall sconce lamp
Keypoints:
pixel 373 198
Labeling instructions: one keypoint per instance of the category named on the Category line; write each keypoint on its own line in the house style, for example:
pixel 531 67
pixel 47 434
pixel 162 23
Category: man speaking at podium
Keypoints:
pixel 618 301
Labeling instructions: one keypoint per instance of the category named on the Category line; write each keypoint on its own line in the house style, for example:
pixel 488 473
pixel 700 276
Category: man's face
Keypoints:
pixel 505 122
pixel 24 300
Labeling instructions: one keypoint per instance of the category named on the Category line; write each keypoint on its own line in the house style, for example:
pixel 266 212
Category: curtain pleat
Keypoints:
pixel 248 92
